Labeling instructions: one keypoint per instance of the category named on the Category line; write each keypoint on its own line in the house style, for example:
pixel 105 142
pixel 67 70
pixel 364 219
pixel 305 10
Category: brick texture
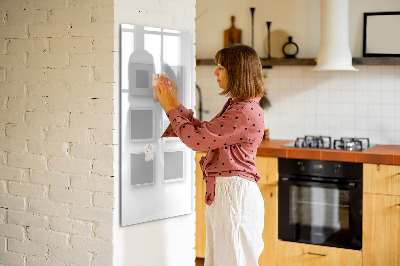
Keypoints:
pixel 56 124
pixel 28 219
pixel 27 247
pixel 49 208
pixel 48 237
pixel 72 226
pixel 49 178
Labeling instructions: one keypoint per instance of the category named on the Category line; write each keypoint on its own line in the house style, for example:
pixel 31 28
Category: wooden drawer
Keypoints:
pixel 381 179
pixel 298 254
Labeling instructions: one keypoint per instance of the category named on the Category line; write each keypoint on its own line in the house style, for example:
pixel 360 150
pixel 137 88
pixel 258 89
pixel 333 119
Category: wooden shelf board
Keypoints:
pixel 312 61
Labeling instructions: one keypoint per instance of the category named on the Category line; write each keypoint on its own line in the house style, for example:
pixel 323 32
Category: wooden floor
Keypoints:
pixel 199 262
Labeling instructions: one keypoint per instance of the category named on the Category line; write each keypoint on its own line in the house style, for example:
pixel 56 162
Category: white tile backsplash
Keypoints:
pixel 388 111
pixel 388 97
pixel 364 103
pixel 374 97
pixel 374 110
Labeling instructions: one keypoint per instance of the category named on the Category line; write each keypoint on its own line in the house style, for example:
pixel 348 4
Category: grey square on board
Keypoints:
pixel 141 171
pixel 173 165
pixel 142 79
pixel 141 124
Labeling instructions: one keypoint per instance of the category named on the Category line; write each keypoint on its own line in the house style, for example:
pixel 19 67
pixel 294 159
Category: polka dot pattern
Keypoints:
pixel 231 139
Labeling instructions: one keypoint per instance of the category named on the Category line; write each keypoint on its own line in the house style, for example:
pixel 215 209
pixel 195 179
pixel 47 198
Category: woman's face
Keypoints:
pixel 222 76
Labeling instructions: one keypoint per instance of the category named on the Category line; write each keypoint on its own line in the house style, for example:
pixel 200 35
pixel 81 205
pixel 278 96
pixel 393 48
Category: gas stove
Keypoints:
pixel 325 142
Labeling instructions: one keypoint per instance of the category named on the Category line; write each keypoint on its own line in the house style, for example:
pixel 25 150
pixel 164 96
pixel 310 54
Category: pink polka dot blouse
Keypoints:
pixel 231 139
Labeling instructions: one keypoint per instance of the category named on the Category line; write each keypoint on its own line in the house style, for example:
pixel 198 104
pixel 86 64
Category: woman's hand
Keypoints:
pixel 164 96
pixel 174 89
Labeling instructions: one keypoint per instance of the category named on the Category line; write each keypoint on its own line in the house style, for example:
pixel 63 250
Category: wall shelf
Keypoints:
pixel 312 61
pixel 376 61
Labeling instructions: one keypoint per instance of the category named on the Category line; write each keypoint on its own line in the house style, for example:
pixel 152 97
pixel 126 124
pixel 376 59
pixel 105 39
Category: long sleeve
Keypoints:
pixel 186 113
pixel 225 130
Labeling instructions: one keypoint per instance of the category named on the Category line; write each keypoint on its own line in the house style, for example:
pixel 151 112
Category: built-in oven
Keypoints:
pixel 320 202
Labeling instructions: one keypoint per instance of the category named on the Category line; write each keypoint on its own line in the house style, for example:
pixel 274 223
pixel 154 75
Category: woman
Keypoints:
pixel 235 207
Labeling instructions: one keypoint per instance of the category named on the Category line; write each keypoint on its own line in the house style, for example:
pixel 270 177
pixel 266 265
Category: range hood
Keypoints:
pixel 334 51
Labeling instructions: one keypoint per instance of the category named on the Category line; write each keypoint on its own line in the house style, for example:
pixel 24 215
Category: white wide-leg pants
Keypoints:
pixel 234 223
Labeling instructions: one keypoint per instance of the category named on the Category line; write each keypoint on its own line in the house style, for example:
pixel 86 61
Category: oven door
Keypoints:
pixel 321 212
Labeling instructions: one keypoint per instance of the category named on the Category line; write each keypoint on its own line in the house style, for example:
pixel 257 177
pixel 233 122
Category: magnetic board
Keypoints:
pixel 155 183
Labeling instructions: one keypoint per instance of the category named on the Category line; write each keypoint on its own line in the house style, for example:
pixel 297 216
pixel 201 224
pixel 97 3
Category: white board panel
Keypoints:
pixel 160 188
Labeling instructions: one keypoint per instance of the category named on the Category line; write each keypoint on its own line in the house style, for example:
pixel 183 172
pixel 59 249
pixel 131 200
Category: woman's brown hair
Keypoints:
pixel 245 78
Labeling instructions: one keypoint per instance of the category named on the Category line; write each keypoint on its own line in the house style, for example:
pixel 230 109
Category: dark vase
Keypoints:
pixel 290 49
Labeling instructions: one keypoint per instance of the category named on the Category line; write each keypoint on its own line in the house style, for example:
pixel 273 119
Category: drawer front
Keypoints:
pixel 381 179
pixel 294 254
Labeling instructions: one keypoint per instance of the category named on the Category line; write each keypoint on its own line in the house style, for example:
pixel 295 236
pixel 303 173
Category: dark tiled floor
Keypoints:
pixel 199 262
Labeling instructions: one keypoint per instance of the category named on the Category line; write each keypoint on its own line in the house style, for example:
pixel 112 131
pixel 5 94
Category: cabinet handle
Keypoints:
pixel 318 254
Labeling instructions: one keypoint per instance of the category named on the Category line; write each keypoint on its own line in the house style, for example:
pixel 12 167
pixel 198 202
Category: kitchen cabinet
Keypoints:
pixel 298 254
pixel 381 179
pixel 267 168
pixel 200 209
pixel 270 233
pixel 381 221
pixel 381 230
pixel 381 215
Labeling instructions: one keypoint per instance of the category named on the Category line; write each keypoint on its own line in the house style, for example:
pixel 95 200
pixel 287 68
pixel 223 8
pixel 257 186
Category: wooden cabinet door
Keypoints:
pixel 297 254
pixel 267 168
pixel 200 209
pixel 270 233
pixel 381 230
pixel 381 179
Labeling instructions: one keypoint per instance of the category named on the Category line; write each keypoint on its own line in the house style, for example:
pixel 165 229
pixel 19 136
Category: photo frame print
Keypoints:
pixel 141 124
pixel 142 171
pixel 381 36
pixel 173 165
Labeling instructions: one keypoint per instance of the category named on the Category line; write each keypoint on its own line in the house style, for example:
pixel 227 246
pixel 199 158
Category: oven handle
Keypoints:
pixel 297 181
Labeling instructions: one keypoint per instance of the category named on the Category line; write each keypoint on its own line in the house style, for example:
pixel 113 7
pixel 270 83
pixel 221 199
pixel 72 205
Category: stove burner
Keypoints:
pixel 351 144
pixel 324 142
pixel 308 141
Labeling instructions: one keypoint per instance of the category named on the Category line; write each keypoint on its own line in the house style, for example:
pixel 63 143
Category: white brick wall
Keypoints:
pixel 56 124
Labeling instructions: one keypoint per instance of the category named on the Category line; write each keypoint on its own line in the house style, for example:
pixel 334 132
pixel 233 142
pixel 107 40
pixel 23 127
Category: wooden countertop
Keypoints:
pixel 379 154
